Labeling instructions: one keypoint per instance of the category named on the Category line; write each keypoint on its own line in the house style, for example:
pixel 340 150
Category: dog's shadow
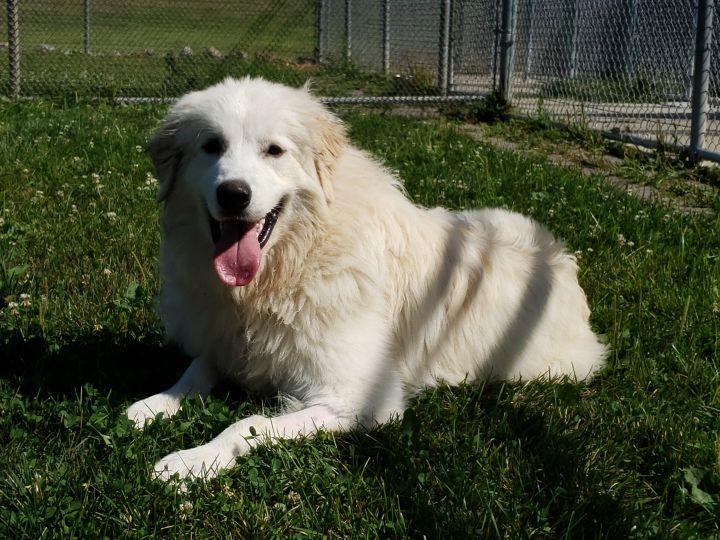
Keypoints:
pixel 422 463
pixel 122 367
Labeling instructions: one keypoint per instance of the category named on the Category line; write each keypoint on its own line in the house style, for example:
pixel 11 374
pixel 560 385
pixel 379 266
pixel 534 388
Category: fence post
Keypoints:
pixel 529 49
pixel 575 29
pixel 496 45
pixel 386 37
pixel 444 64
pixel 690 71
pixel 86 25
pixel 13 28
pixel 458 44
pixel 348 30
pixel 628 49
pixel 507 37
pixel 452 49
pixel 701 76
pixel 320 29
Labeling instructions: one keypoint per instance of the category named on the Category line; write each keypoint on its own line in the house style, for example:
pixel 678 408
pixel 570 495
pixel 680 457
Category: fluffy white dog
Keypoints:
pixel 292 262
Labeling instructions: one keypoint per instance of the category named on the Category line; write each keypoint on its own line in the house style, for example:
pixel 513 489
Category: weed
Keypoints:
pixel 489 110
pixel 418 80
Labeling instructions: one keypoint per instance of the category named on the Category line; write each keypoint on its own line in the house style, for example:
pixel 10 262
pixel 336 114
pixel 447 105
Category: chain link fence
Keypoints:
pixel 639 70
pixel 625 68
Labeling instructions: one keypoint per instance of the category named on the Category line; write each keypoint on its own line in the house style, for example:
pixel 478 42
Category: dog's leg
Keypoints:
pixel 205 461
pixel 198 379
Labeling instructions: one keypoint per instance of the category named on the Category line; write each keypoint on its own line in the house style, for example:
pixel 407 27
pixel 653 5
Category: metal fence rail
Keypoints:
pixel 636 69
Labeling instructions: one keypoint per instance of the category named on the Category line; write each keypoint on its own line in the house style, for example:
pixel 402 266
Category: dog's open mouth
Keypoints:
pixel 238 246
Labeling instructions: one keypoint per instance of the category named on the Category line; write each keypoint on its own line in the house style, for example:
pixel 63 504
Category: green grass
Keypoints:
pixel 669 173
pixel 285 27
pixel 136 48
pixel 636 454
pixel 614 89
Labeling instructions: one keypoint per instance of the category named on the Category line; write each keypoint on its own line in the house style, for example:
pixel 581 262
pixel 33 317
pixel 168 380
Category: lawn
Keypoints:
pixel 285 27
pixel 634 454
pixel 161 48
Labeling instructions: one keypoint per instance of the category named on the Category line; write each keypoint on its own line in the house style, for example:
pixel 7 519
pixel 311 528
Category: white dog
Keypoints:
pixel 293 262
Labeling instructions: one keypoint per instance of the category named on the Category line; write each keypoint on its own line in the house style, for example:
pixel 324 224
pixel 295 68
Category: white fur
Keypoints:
pixel 362 298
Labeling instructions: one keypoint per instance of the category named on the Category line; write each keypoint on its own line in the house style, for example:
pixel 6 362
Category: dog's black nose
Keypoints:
pixel 233 196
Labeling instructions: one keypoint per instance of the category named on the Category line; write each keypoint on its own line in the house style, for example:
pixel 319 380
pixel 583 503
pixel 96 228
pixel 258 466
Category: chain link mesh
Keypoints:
pixel 160 48
pixel 625 70
pixel 624 67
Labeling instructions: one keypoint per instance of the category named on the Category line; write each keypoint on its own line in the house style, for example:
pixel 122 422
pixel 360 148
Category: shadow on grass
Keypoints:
pixel 525 472
pixel 125 368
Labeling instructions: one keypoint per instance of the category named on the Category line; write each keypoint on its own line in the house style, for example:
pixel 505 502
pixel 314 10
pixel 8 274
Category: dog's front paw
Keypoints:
pixel 145 410
pixel 201 462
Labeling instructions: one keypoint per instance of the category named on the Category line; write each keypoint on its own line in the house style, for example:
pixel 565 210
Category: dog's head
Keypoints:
pixel 245 151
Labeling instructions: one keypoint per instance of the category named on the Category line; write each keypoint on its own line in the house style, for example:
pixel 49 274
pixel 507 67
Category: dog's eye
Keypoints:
pixel 275 150
pixel 213 146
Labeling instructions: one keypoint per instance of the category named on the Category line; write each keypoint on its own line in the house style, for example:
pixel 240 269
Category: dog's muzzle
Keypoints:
pixel 267 225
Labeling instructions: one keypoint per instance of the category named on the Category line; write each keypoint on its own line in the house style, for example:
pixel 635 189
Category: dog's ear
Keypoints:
pixel 166 156
pixel 328 147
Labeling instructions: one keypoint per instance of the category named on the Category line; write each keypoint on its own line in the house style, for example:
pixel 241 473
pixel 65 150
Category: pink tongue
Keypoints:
pixel 237 253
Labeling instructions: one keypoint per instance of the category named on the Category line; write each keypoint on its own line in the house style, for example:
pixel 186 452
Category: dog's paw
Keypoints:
pixel 202 462
pixel 146 410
